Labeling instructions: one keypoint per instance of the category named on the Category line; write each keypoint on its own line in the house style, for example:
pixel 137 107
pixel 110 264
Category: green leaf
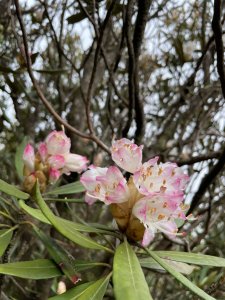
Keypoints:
pixel 87 265
pixel 18 158
pixel 181 278
pixel 73 293
pixel 192 258
pixel 5 238
pixel 71 188
pixel 59 255
pixel 12 190
pixel 129 280
pixel 34 269
pixel 150 263
pixel 37 214
pixel 66 229
pixel 97 290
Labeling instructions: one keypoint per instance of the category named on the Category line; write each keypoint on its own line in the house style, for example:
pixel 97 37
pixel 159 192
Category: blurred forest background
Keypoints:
pixel 142 69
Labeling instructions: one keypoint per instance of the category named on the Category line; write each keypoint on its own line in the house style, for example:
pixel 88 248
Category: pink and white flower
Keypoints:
pixel 105 184
pixel 158 213
pixel 75 163
pixel 153 178
pixel 57 143
pixel 127 155
pixel 29 157
pixel 56 161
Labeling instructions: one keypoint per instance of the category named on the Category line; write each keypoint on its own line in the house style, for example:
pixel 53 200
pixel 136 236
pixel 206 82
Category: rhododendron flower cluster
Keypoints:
pixel 51 160
pixel 150 201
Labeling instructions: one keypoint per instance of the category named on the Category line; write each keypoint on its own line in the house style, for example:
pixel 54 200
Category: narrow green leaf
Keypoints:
pixel 150 263
pixel 59 255
pixel 12 190
pixel 34 269
pixel 192 258
pixel 5 238
pixel 87 265
pixel 66 230
pixel 181 278
pixel 96 291
pixel 129 280
pixel 70 200
pixel 73 293
pixel 71 188
pixel 37 214
pixel 18 158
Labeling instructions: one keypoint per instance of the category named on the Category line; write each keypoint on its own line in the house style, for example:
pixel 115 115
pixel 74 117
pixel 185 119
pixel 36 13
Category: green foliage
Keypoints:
pixel 11 190
pixel 128 278
pixel 66 230
pixel 18 158
pixel 5 238
pixel 34 269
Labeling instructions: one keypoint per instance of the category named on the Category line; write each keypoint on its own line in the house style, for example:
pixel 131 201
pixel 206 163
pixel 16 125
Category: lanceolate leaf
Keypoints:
pixel 87 291
pixel 73 293
pixel 181 278
pixel 59 255
pixel 12 190
pixel 192 258
pixel 71 188
pixel 66 230
pixel 128 278
pixel 5 238
pixel 18 158
pixel 183 268
pixel 34 269
pixel 37 214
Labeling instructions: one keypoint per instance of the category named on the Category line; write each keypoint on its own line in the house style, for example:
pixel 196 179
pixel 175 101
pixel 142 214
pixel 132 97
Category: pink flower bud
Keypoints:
pixel 127 155
pixel 56 161
pixel 75 163
pixel 57 143
pixel 54 175
pixel 42 149
pixel 29 157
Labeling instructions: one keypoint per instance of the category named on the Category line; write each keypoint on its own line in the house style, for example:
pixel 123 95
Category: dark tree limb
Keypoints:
pixel 207 180
pixel 142 18
pixel 218 33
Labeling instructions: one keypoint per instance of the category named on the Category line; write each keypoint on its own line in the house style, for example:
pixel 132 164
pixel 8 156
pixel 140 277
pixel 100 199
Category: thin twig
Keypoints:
pixel 40 93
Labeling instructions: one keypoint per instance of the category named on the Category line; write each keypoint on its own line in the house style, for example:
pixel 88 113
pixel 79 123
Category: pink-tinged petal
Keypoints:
pixel 155 178
pixel 42 149
pixel 127 155
pixel 54 175
pixel 106 184
pixel 148 236
pixel 57 143
pixel 75 162
pixel 167 227
pixel 94 187
pixel 29 157
pixel 140 210
pixel 56 161
pixel 89 199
